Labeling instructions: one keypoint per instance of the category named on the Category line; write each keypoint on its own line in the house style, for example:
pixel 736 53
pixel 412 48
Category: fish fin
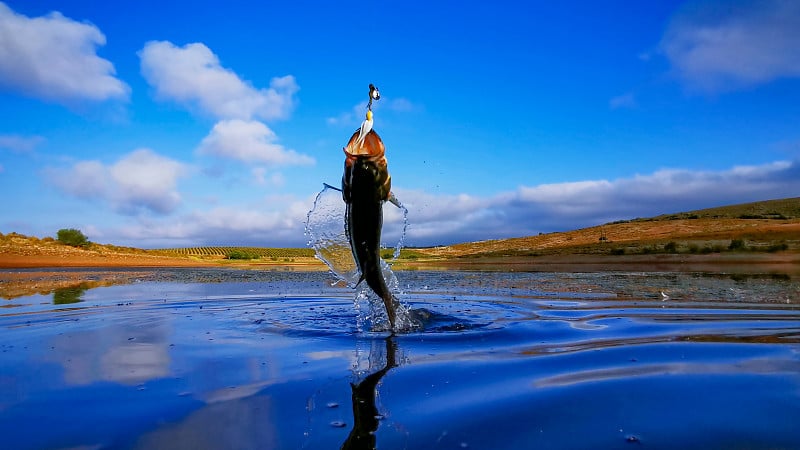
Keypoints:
pixel 360 280
pixel 331 187
pixel 393 200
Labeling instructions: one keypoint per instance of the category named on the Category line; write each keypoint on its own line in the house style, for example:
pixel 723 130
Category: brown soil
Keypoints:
pixel 588 240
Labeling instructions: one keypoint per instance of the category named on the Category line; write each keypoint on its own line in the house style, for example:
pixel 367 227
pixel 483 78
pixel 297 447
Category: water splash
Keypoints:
pixel 325 229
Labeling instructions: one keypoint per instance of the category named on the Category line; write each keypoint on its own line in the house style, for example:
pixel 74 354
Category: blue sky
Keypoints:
pixel 167 124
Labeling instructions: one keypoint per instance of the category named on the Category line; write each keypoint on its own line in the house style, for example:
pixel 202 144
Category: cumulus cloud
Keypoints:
pixel 255 225
pixel 193 76
pixel 55 58
pixel 445 219
pixel 141 180
pixel 719 46
pixel 249 141
pixel 565 206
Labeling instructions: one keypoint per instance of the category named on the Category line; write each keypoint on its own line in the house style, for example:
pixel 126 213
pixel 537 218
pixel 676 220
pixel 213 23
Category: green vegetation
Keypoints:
pixel 242 252
pixel 737 244
pixel 70 294
pixel 271 254
pixel 73 238
pixel 703 248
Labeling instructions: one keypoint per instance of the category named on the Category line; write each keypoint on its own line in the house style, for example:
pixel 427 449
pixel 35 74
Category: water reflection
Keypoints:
pixel 228 364
pixel 366 417
pixel 129 353
pixel 70 294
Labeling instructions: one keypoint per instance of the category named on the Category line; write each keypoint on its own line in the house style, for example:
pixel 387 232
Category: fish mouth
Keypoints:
pixel 372 146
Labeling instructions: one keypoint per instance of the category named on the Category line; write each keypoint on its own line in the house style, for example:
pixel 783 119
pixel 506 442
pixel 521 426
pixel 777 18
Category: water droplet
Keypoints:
pixel 632 438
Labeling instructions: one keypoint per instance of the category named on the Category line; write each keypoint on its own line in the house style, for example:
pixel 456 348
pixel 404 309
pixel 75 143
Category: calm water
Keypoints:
pixel 211 359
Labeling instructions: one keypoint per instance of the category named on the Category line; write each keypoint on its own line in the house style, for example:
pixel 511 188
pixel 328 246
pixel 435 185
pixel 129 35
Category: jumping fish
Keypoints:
pixel 366 185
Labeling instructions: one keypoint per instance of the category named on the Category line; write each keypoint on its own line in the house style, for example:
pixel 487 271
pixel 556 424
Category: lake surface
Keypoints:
pixel 215 358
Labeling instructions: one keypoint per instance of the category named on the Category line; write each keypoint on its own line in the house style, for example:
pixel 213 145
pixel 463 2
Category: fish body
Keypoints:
pixel 366 185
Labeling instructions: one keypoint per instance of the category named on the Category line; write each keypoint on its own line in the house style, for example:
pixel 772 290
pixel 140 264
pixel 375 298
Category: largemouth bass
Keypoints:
pixel 366 185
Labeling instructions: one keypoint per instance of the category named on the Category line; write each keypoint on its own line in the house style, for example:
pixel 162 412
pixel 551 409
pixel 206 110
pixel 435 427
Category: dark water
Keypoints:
pixel 211 359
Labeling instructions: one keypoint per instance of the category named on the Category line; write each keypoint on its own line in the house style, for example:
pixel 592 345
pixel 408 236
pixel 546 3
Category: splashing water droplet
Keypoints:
pixel 325 228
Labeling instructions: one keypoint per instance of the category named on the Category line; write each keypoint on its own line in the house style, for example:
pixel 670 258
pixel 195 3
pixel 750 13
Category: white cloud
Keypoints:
pixel 444 219
pixel 141 180
pixel 275 223
pixel 260 177
pixel 193 76
pixel 719 46
pixel 54 58
pixel 565 206
pixel 249 141
pixel 20 144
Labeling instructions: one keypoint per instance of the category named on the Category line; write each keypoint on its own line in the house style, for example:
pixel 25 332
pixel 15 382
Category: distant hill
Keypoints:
pixel 768 226
pixel 787 208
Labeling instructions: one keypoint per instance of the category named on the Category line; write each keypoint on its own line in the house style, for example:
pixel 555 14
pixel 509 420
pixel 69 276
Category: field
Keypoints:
pixel 274 254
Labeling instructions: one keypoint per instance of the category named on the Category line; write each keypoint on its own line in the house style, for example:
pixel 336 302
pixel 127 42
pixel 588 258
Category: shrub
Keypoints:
pixel 671 247
pixel 72 237
pixel 240 254
pixel 778 247
pixel 737 244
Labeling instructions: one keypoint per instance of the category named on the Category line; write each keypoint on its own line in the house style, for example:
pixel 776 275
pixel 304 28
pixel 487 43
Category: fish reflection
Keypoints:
pixel 366 417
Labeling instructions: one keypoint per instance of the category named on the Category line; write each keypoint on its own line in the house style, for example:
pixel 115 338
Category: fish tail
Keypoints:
pixel 378 285
pixel 390 303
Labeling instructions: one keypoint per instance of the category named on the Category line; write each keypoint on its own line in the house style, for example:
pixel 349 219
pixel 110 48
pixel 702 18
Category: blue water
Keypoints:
pixel 214 358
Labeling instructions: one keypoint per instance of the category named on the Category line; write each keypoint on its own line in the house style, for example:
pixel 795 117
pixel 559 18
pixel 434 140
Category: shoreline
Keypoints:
pixel 727 262
pixel 22 275
pixel 545 263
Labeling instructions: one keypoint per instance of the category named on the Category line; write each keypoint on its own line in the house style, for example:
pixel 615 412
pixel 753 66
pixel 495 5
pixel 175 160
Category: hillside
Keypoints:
pixel 17 250
pixel 767 226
